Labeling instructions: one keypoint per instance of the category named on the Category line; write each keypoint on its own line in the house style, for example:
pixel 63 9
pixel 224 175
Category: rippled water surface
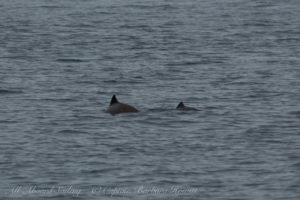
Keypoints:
pixel 237 61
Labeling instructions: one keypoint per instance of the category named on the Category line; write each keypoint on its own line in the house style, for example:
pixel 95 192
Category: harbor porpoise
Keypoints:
pixel 181 106
pixel 116 107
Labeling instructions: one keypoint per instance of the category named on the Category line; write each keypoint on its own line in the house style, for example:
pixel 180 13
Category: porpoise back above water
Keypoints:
pixel 181 106
pixel 116 107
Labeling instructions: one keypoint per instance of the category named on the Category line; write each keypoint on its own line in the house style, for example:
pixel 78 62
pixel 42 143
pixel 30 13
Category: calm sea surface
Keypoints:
pixel 237 61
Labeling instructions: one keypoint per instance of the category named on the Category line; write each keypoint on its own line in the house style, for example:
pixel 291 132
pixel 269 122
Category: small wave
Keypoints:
pixel 59 100
pixel 257 24
pixel 297 165
pixel 197 62
pixel 4 91
pixel 68 60
pixel 166 181
pixel 110 81
pixel 86 116
pixel 149 7
pixel 119 150
pixel 8 121
pixel 295 113
pixel 99 171
pixel 158 109
pixel 53 7
pixel 85 82
pixel 68 131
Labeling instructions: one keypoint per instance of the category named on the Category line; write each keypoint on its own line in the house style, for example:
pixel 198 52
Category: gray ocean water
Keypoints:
pixel 237 61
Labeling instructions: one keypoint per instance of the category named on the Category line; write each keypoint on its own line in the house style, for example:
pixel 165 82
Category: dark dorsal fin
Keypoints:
pixel 180 105
pixel 114 100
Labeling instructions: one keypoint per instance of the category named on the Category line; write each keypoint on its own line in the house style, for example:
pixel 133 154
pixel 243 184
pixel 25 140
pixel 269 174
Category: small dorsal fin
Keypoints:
pixel 180 105
pixel 114 100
